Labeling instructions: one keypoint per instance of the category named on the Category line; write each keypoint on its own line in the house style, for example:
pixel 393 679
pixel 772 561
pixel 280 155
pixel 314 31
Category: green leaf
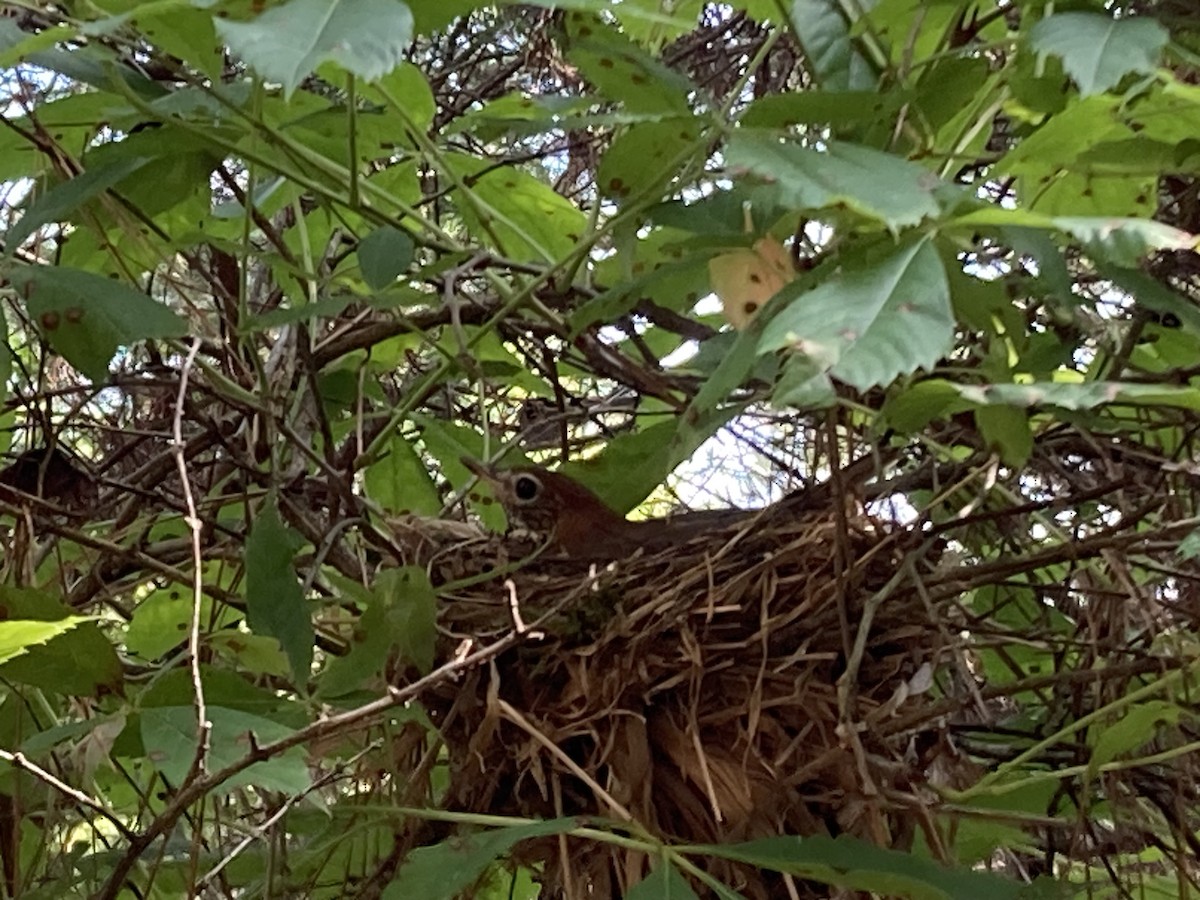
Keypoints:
pixel 1063 137
pixel 87 318
pixel 870 182
pixel 161 622
pixel 17 636
pixel 80 662
pixel 1077 396
pixel 652 13
pixel 918 404
pixel 16 46
pixel 646 157
pixel 177 174
pixel 949 93
pixel 435 15
pixel 6 364
pixel 829 107
pixel 802 384
pixel 95 65
pixel 630 466
pixel 400 482
pixel 1134 729
pixel 824 34
pixel 663 883
pixel 527 219
pixel 516 114
pixel 1189 547
pixel 872 320
pixel 253 655
pixel 286 43
pixel 169 736
pixel 653 23
pixel 910 30
pixel 184 32
pixel 275 605
pixel 1138 155
pixel 1007 429
pixel 710 408
pixel 976 838
pixel 1116 240
pixel 1125 242
pixel 384 255
pixel 373 637
pixel 221 688
pixel 411 606
pixel 445 870
pixel 653 268
pixel 623 72
pixel 1097 50
pixel 57 204
pixel 447 442
pixel 408 86
pixel 848 862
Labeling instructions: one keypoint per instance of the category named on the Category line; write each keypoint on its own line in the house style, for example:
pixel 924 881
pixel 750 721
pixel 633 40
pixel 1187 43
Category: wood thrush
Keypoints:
pixel 579 524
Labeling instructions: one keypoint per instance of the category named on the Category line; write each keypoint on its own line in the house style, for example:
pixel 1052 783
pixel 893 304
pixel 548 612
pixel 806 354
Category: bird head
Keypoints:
pixel 547 503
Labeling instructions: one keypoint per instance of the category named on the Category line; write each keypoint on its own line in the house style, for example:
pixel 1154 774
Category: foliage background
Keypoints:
pixel 271 269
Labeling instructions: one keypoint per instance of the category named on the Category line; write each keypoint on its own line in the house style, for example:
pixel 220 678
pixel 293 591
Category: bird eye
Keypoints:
pixel 526 487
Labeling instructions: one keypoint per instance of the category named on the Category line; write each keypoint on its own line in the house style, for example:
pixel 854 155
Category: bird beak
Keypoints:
pixel 483 470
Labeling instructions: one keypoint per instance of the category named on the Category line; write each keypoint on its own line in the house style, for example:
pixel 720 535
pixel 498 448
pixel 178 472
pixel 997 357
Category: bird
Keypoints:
pixel 578 524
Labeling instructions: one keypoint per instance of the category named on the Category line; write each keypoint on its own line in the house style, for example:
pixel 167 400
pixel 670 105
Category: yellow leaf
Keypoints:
pixel 746 279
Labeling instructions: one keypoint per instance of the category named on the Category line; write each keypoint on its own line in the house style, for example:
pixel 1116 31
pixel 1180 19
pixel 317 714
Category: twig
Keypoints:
pixel 514 608
pixel 515 716
pixel 22 762
pixel 258 832
pixel 198 787
pixel 178 448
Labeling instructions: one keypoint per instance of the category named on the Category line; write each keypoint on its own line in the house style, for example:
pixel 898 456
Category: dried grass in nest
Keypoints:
pixel 694 692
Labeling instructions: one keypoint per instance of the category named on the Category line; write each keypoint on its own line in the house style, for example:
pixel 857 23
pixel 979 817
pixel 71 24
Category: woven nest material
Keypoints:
pixel 709 694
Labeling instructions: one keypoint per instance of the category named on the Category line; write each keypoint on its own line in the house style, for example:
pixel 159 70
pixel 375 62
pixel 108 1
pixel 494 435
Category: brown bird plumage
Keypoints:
pixel 581 525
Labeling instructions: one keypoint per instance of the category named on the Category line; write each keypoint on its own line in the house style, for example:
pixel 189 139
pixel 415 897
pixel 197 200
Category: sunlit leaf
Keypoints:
pixel 412 611
pixel 1006 428
pixel 519 215
pixel 1116 240
pixel 79 660
pixel 18 635
pixel 160 622
pixel 746 279
pixel 190 34
pixel 829 107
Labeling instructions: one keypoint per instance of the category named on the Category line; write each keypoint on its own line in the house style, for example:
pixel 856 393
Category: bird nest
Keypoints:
pixel 729 689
